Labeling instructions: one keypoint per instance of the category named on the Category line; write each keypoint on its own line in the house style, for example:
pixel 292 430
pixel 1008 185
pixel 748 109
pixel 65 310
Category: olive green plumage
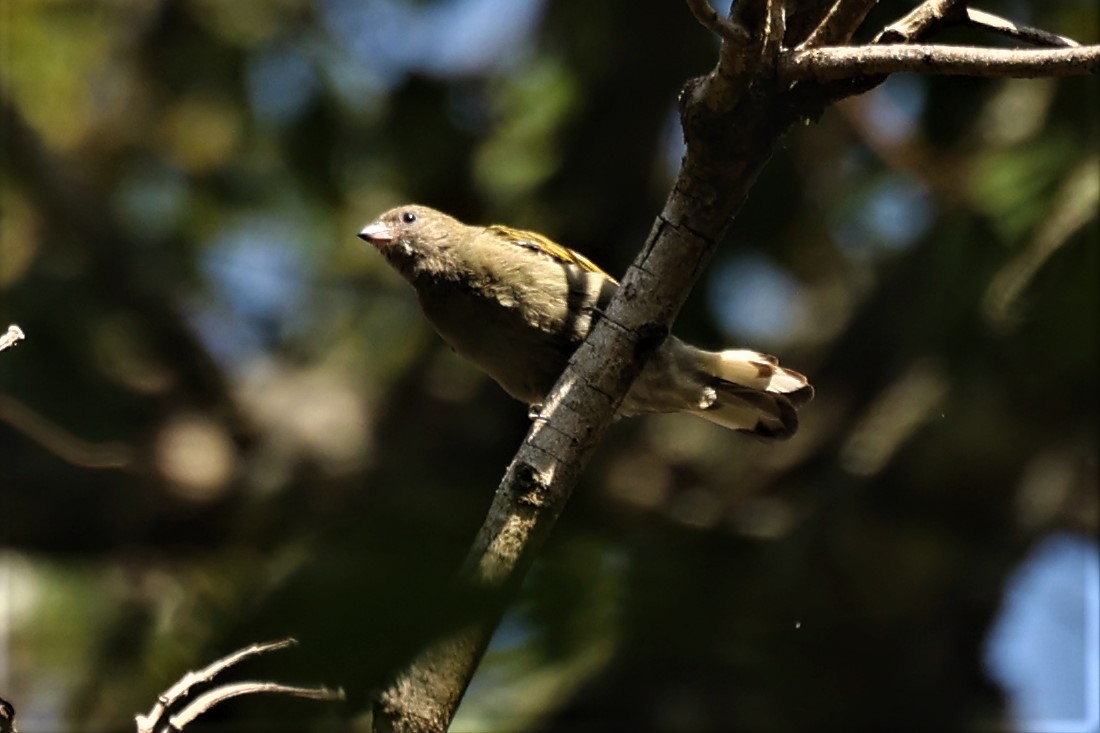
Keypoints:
pixel 517 305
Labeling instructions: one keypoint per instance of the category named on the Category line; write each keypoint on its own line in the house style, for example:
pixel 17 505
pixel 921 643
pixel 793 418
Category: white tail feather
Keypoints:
pixel 739 389
pixel 759 371
pixel 755 394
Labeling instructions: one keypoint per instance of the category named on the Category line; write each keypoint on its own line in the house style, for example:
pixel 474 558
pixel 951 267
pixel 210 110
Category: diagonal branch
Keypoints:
pixel 160 719
pixel 730 130
pixel 182 688
pixel 934 16
pixel 840 24
pixel 923 21
pixel 833 64
pixel 732 119
pixel 714 22
pixel 742 43
pixel 62 443
pixel 1027 34
pixel 775 28
pixel 218 695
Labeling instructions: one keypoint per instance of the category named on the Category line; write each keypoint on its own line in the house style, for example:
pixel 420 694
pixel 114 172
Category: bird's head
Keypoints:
pixel 417 240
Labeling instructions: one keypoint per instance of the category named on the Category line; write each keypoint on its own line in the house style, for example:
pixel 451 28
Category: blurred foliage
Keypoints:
pixel 229 422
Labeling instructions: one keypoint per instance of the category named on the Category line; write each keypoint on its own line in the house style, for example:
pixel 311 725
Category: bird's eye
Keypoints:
pixel 408 217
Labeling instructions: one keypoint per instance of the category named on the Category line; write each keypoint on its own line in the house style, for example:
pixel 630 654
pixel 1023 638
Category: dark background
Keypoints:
pixel 230 423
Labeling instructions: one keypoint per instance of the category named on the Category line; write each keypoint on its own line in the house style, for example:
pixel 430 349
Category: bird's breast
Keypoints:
pixel 518 327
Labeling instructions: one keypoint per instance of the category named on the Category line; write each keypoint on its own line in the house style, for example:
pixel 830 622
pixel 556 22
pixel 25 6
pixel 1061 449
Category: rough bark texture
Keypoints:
pixel 732 119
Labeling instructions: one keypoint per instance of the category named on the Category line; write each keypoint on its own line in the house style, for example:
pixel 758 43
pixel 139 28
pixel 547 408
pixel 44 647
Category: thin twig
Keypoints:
pixel 1027 34
pixel 775 28
pixel 832 64
pixel 218 695
pixel 714 22
pixel 924 20
pixel 148 723
pixel 838 27
pixel 737 58
pixel 936 15
pixel 62 443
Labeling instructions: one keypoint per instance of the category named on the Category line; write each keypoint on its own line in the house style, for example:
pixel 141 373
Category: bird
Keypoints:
pixel 517 305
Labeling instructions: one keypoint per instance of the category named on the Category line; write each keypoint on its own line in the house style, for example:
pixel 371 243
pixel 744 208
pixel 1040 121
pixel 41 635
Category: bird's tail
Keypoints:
pixel 748 391
pixel 738 389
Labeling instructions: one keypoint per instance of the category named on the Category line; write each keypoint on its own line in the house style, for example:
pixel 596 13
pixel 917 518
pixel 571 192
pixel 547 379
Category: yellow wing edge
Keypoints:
pixel 549 246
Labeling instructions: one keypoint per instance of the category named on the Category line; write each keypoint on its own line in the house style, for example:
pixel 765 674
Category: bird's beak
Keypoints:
pixel 376 232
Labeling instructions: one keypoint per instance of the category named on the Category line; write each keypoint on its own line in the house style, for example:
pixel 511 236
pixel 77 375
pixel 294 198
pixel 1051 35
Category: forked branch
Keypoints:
pixel 171 715
pixel 851 62
pixel 732 119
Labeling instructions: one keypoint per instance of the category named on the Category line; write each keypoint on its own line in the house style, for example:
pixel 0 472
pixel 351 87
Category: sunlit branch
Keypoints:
pixel 833 63
pixel 159 719
pixel 714 22
pixel 1027 34
pixel 922 21
pixel 840 24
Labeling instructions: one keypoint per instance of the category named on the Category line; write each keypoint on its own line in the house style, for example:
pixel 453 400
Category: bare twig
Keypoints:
pixel 775 28
pixel 832 64
pixel 218 695
pixel 924 20
pixel 11 337
pixel 840 24
pixel 732 119
pixel 154 720
pixel 183 686
pixel 737 59
pixel 841 80
pixel 1027 34
pixel 714 22
pixel 931 17
pixel 61 442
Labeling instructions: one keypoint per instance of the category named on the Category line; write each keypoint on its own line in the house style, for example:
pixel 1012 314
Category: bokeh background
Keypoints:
pixel 230 423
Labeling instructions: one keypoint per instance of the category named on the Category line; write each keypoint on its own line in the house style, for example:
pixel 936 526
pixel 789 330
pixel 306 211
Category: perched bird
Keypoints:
pixel 517 305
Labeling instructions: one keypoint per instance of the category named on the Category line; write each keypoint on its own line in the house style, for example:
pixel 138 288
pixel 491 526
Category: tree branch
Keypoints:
pixel 840 24
pixel 732 119
pixel 1027 34
pixel 738 53
pixel 730 134
pixel 722 27
pixel 218 695
pixel 775 28
pixel 836 63
pixel 936 15
pixel 160 719
pixel 62 443
pixel 923 21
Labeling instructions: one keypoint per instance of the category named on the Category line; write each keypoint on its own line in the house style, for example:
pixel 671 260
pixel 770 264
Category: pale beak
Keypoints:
pixel 376 232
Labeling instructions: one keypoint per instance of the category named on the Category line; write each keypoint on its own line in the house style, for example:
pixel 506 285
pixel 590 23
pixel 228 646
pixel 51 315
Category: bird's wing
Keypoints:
pixel 539 243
